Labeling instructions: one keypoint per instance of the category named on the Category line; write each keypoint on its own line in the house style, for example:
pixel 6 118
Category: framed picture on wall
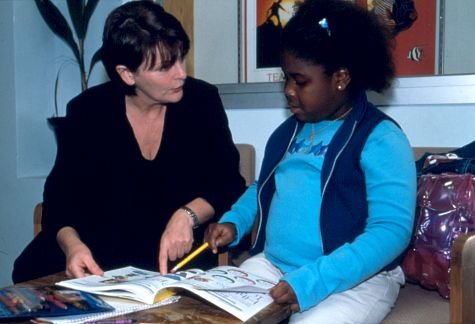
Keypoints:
pixel 414 25
pixel 262 22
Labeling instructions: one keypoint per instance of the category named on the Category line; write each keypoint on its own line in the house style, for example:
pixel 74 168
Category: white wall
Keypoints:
pixel 216 40
pixel 459 44
pixel 17 195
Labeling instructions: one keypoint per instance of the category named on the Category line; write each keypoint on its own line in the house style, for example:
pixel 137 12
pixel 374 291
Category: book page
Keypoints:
pixel 127 282
pixel 232 289
pixel 236 291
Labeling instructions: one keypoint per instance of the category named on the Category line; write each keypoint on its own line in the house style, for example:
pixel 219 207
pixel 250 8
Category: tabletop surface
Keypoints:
pixel 186 310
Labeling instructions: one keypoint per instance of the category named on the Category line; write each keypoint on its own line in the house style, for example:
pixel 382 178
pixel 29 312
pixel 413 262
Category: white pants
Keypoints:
pixel 367 303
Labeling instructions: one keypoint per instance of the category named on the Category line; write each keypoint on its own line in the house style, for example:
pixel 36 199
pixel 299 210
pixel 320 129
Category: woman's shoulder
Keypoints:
pixel 94 100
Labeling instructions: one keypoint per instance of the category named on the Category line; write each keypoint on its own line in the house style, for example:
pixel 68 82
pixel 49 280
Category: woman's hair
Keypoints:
pixel 137 32
pixel 339 34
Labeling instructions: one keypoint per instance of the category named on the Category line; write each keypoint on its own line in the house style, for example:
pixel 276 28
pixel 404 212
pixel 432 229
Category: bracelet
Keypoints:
pixel 193 216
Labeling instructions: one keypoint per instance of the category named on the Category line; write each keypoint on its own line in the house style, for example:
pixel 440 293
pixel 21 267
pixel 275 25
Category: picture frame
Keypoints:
pixel 416 51
pixel 416 33
pixel 262 22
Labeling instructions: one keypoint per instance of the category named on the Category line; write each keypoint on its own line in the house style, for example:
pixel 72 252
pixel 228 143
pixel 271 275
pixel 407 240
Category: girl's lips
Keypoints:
pixel 294 108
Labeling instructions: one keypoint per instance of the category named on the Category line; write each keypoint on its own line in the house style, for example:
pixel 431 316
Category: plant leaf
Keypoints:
pixel 90 7
pixel 76 9
pixel 56 90
pixel 95 58
pixel 58 24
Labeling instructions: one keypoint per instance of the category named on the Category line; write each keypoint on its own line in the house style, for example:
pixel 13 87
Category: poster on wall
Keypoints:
pixel 413 25
pixel 263 21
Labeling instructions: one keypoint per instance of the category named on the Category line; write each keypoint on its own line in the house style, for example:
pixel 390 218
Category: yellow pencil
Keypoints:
pixel 190 256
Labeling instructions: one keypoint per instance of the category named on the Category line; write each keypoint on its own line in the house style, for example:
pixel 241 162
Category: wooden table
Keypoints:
pixel 186 310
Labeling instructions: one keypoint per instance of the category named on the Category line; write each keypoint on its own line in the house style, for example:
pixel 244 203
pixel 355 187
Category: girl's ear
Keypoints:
pixel 342 78
pixel 125 74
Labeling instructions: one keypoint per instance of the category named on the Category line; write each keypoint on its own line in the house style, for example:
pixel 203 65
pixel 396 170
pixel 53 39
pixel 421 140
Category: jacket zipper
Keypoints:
pixel 264 183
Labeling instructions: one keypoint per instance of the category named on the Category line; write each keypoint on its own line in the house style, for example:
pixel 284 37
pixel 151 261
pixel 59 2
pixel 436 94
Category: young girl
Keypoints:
pixel 336 195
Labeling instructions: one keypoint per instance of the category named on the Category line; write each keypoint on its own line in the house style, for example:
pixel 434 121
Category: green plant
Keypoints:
pixel 80 13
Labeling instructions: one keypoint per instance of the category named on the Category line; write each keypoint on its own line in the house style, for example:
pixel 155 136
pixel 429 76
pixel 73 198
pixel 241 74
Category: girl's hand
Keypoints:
pixel 219 235
pixel 282 293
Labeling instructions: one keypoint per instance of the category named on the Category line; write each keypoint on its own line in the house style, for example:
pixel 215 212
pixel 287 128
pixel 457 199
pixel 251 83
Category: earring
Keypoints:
pixel 339 87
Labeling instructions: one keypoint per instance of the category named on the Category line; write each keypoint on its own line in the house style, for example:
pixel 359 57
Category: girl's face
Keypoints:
pixel 311 94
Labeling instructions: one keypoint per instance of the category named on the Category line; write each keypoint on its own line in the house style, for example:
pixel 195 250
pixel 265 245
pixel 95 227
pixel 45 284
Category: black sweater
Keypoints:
pixel 120 202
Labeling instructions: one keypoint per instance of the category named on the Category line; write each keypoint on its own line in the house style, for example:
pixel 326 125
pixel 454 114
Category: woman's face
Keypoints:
pixel 311 94
pixel 158 85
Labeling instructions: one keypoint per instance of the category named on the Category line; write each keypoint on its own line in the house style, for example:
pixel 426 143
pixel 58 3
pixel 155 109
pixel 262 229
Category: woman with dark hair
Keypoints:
pixel 142 160
pixel 335 198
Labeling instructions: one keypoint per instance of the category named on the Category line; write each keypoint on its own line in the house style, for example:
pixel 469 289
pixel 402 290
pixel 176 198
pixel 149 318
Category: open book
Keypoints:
pixel 238 292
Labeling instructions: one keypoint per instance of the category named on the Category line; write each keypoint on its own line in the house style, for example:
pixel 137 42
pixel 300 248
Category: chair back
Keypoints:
pixel 247 162
pixel 462 292
pixel 37 215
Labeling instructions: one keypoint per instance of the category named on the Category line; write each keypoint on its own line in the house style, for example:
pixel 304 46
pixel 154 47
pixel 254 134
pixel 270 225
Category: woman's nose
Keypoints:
pixel 180 69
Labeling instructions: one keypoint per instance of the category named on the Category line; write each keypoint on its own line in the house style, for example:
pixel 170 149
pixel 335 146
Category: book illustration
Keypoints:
pixel 22 302
pixel 234 290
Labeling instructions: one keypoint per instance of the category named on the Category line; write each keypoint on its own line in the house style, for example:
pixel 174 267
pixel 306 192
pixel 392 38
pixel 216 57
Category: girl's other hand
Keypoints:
pixel 219 235
pixel 282 293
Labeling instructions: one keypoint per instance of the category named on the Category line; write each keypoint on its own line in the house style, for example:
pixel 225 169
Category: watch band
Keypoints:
pixel 193 216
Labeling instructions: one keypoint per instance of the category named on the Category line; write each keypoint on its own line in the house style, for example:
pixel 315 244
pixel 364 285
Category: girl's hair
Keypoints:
pixel 339 34
pixel 137 32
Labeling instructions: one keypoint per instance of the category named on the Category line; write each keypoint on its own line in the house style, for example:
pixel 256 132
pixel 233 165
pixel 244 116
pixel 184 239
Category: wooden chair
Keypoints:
pixel 247 162
pixel 37 215
pixel 247 167
pixel 418 305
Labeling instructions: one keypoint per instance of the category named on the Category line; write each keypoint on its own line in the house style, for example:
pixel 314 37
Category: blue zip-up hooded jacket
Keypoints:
pixel 341 170
pixel 367 208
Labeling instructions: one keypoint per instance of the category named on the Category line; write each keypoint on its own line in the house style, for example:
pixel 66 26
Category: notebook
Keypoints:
pixel 121 306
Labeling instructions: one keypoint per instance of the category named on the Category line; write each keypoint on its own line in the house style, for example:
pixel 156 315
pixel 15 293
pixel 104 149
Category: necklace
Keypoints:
pixel 314 132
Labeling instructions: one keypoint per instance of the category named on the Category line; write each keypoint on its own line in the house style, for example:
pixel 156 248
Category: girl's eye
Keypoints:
pixel 300 83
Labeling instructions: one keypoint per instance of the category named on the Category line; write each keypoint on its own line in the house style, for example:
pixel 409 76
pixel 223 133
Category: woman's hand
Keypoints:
pixel 219 235
pixel 79 260
pixel 177 239
pixel 282 293
pixel 80 263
